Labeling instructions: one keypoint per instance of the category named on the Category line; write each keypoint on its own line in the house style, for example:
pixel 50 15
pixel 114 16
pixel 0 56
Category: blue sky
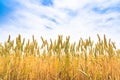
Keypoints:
pixel 48 18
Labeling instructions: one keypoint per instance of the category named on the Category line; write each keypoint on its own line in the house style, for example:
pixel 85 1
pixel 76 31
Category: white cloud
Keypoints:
pixel 29 18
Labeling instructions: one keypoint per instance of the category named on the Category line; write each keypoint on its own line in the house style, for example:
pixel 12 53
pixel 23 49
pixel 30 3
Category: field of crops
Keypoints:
pixel 59 59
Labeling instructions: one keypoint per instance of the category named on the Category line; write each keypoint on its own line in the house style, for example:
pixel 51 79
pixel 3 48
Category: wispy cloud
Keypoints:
pixel 48 18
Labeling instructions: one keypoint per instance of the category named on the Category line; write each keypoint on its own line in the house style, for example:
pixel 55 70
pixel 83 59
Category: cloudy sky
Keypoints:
pixel 48 18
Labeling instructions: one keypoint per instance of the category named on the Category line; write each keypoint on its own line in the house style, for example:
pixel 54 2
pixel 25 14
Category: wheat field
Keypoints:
pixel 59 59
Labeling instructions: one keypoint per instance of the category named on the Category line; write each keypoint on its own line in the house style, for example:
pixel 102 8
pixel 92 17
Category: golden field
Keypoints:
pixel 59 59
